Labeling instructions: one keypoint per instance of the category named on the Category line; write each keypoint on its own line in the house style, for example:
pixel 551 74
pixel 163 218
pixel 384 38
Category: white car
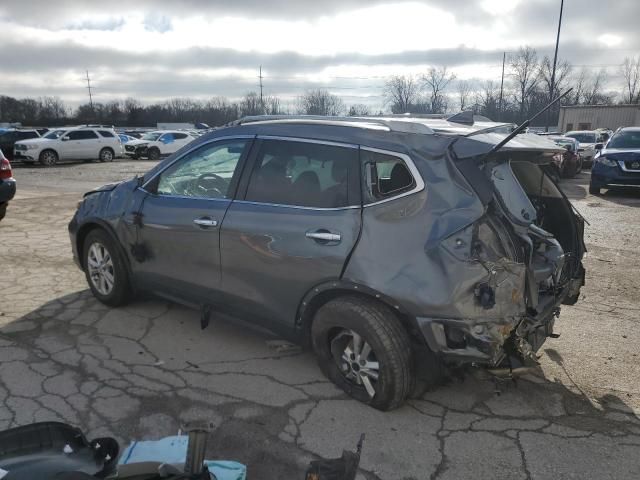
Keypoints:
pixel 77 143
pixel 160 143
pixel 588 140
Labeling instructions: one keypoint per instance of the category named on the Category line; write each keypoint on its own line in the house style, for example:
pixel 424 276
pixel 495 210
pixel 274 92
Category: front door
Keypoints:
pixel 294 228
pixel 180 220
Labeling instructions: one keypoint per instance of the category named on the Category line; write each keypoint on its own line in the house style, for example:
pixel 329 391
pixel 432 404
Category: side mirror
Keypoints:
pixel 598 146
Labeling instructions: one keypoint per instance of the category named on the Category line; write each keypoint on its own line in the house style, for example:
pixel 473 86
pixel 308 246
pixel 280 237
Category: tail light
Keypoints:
pixel 5 169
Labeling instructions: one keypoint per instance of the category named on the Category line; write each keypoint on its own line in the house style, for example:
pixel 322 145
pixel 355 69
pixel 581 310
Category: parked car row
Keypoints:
pixel 618 162
pixel 89 142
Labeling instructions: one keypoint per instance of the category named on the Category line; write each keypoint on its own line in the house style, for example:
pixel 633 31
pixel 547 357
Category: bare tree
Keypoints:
pixel 437 80
pixel 401 92
pixel 630 70
pixel 563 72
pixel 525 70
pixel 488 99
pixel 320 102
pixel 594 89
pixel 251 105
pixel 272 105
pixel 358 110
pixel 464 94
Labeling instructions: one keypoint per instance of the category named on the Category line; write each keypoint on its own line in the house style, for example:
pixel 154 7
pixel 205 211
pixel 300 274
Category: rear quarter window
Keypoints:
pixel 106 133
pixel 385 176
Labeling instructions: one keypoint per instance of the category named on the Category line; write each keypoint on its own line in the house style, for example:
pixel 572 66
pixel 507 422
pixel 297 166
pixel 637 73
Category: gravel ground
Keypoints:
pixel 140 371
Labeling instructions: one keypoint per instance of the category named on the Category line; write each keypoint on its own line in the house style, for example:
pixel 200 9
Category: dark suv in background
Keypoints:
pixel 618 163
pixel 10 137
pixel 393 246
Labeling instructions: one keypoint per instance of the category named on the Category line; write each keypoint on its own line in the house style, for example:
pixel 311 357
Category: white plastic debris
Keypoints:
pixel 3 473
pixel 67 449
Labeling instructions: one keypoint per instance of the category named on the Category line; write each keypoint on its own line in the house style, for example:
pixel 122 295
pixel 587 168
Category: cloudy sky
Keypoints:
pixel 155 49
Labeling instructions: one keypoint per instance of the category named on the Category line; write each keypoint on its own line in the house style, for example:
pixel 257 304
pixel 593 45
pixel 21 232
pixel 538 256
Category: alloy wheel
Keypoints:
pixel 100 265
pixel 356 360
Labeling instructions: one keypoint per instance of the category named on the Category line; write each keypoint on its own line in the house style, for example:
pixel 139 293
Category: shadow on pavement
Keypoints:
pixel 142 370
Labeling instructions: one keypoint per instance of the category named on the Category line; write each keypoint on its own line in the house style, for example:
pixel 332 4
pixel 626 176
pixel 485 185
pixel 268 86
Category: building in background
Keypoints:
pixel 590 117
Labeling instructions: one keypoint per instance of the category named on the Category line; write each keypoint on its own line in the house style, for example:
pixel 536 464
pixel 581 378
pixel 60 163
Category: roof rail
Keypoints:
pixel 394 124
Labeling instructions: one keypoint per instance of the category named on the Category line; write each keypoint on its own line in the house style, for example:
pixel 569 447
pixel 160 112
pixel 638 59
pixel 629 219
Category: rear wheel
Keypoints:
pixel 105 269
pixel 364 349
pixel 48 158
pixel 3 209
pixel 153 154
pixel 106 155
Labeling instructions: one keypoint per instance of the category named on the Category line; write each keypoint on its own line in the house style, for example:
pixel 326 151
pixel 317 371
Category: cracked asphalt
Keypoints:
pixel 141 371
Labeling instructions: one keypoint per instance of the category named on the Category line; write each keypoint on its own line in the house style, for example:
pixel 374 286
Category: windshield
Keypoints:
pixel 583 137
pixel 55 134
pixel 152 136
pixel 625 139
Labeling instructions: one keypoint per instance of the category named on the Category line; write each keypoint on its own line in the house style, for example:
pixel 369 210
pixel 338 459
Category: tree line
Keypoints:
pixel 527 88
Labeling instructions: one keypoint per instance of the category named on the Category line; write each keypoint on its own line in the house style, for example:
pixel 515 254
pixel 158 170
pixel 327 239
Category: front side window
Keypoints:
pixel 82 135
pixel 55 134
pixel 301 174
pixel 167 138
pixel 151 136
pixel 385 176
pixel 203 173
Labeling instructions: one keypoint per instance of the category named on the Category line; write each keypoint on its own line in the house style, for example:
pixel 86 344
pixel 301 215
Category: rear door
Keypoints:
pixel 181 216
pixel 82 144
pixel 295 223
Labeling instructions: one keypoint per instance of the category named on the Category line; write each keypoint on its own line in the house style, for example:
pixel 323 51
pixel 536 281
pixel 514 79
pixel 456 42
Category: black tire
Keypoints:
pixel 3 209
pixel 106 155
pixel 120 292
pixel 593 190
pixel 380 328
pixel 153 154
pixel 48 158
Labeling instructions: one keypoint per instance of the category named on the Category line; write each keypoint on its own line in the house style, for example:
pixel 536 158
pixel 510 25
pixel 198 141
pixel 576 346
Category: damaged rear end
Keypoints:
pixel 529 243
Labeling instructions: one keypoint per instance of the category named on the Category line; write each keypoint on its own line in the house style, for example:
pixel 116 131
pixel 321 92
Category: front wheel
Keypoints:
pixel 153 154
pixel 593 190
pixel 106 155
pixel 105 269
pixel 364 349
pixel 48 158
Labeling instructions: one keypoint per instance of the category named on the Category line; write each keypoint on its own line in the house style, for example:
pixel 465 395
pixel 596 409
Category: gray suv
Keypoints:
pixel 393 246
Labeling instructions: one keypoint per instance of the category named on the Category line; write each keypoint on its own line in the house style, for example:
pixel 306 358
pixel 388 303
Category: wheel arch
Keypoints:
pixel 47 149
pixel 95 224
pixel 327 291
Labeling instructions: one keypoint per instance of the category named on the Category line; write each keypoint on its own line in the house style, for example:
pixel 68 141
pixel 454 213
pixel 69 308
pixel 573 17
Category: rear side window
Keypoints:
pixel 302 174
pixel 385 176
pixel 82 135
pixel 179 136
pixel 106 133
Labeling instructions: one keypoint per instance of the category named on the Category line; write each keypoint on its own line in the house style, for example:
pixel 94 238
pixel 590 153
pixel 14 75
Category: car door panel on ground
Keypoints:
pixel 293 226
pixel 181 218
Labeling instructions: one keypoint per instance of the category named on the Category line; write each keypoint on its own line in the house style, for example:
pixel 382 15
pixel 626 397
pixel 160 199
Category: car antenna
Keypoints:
pixel 522 126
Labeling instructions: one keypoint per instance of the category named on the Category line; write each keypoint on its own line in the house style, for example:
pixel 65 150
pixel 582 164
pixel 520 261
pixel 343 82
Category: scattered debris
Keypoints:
pixel 282 346
pixel 67 449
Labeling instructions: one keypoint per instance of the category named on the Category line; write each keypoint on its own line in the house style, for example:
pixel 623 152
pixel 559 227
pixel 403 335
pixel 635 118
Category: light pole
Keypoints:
pixel 555 60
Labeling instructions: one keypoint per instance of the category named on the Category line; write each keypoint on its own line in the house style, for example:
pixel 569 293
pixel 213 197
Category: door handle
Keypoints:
pixel 205 222
pixel 324 236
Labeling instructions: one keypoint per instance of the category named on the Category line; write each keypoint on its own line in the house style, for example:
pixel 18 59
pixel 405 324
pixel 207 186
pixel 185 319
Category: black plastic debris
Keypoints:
pixel 53 450
pixel 343 468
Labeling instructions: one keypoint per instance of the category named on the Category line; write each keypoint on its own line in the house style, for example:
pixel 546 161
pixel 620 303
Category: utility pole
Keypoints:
pixel 555 60
pixel 261 99
pixel 504 57
pixel 89 88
